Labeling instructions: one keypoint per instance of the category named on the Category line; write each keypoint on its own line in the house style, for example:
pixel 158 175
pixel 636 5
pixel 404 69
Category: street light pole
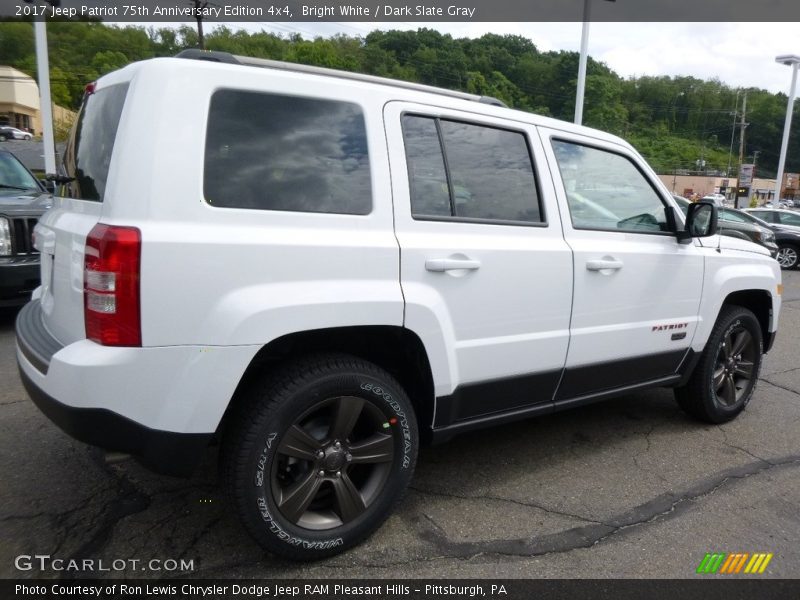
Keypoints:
pixel 794 61
pixel 45 103
pixel 582 64
pixel 582 61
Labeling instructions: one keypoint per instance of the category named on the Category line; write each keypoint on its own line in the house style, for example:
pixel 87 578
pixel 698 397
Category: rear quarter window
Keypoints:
pixel 88 154
pixel 277 152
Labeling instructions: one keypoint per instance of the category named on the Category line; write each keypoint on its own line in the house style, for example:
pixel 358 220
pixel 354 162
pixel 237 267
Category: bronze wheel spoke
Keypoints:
pixel 349 502
pixel 299 444
pixel 298 496
pixel 378 448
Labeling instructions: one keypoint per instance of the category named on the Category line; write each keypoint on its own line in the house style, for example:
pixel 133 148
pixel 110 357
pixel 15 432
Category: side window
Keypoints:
pixel 606 191
pixel 765 215
pixel 789 219
pixel 729 215
pixel 468 171
pixel 274 152
pixel 430 195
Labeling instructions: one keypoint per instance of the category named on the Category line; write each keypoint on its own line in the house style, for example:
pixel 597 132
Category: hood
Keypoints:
pixel 18 202
pixel 727 242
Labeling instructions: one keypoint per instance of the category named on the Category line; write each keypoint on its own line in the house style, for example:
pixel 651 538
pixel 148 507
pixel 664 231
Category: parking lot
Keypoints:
pixel 628 488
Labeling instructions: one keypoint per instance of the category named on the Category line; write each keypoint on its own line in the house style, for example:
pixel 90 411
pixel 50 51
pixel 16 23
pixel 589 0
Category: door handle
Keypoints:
pixel 440 265
pixel 604 264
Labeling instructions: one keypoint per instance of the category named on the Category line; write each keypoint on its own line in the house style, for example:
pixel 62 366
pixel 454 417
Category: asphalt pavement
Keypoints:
pixel 628 488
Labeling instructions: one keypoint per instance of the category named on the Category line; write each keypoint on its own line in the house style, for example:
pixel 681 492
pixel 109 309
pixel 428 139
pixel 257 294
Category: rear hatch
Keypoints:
pixel 61 232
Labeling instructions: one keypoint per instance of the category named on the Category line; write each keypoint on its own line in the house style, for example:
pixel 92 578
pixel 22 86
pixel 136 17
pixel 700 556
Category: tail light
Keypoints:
pixel 111 285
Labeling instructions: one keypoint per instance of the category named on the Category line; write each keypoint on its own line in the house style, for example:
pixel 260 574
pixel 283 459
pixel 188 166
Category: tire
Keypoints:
pixel 295 490
pixel 787 257
pixel 724 379
pixel 3 138
pixel 27 138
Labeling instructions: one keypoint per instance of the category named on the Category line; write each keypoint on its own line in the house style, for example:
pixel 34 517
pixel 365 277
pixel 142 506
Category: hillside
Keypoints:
pixel 674 121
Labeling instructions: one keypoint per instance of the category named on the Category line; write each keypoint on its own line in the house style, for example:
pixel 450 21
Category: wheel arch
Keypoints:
pixel 396 349
pixel 759 302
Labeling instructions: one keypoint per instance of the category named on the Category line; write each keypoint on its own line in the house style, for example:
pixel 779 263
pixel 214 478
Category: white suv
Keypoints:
pixel 324 269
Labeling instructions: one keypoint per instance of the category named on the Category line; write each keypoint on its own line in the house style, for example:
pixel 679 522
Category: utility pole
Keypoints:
pixel 200 6
pixel 733 131
pixel 742 126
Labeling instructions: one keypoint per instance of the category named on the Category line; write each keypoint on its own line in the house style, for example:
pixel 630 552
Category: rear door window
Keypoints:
pixel 88 154
pixel 468 171
pixel 276 152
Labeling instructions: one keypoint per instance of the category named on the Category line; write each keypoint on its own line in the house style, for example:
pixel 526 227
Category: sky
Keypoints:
pixel 739 54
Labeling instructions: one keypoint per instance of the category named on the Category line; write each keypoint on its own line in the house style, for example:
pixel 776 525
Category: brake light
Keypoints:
pixel 111 285
pixel 89 89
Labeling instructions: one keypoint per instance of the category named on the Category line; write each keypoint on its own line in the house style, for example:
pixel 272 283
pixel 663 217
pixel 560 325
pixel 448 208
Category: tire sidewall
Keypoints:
pixel 266 521
pixel 748 321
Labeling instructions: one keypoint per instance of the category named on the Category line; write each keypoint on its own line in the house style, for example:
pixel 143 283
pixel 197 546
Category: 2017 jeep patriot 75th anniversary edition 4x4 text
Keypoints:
pixel 324 268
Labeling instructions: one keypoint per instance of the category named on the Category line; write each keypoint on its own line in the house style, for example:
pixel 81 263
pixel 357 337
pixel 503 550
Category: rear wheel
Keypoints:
pixel 787 257
pixel 319 457
pixel 724 380
pixel 3 137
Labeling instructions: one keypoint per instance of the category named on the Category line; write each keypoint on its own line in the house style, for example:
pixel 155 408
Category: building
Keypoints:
pixel 700 185
pixel 19 100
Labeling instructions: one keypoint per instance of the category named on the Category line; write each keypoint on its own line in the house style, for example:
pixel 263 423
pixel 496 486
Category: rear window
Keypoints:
pixel 88 154
pixel 276 152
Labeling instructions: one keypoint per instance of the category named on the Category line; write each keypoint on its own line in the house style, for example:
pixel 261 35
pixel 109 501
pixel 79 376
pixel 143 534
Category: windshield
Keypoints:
pixel 14 176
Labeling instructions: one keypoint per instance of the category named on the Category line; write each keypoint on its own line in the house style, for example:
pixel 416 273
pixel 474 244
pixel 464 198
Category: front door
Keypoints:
pixel 637 290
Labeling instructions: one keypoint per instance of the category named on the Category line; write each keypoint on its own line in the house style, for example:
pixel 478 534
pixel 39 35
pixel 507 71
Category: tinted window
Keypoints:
pixel 606 191
pixel 427 177
pixel 470 171
pixel 789 219
pixel 729 215
pixel 766 215
pixel 88 154
pixel 272 152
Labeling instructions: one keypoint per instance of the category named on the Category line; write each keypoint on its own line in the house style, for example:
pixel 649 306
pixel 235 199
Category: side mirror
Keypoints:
pixel 701 221
pixel 49 185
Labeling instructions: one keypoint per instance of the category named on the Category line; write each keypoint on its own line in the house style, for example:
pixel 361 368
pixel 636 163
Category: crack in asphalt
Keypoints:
pixel 667 505
pixel 777 385
pixel 128 501
pixel 553 511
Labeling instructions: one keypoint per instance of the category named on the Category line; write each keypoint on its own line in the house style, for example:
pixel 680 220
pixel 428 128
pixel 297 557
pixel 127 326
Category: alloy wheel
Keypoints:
pixel 733 373
pixel 787 257
pixel 332 463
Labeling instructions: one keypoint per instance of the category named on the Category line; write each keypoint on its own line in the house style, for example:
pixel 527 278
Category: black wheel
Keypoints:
pixel 724 380
pixel 318 457
pixel 787 257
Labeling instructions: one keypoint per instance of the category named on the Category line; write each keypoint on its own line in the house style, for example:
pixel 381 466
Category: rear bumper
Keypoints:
pixel 19 276
pixel 160 404
pixel 164 452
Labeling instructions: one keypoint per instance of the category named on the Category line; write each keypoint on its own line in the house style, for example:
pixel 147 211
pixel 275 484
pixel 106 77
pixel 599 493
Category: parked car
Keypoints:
pixel 784 218
pixel 718 199
pixel 12 133
pixel 733 224
pixel 23 199
pixel 302 275
pixel 787 236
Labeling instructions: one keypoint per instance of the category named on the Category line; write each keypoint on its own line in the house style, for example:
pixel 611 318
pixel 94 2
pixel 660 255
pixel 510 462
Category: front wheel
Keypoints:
pixel 725 378
pixel 318 457
pixel 787 257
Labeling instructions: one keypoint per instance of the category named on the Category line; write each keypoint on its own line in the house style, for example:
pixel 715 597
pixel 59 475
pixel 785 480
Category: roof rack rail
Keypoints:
pixel 232 59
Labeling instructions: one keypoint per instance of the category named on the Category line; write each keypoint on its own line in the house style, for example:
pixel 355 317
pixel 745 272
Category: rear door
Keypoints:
pixel 637 291
pixel 61 232
pixel 483 261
